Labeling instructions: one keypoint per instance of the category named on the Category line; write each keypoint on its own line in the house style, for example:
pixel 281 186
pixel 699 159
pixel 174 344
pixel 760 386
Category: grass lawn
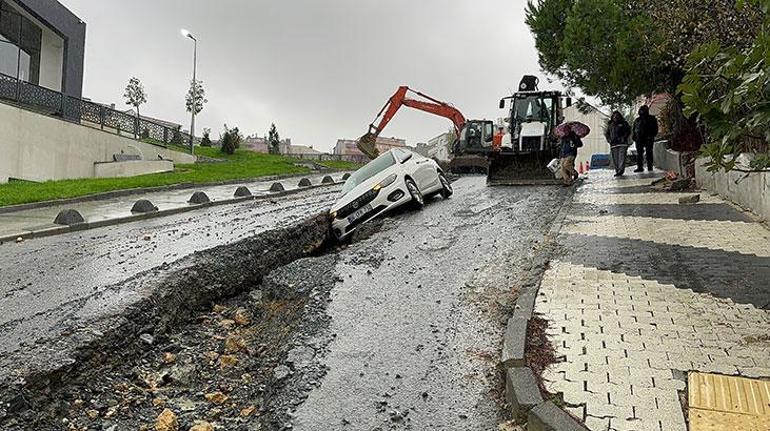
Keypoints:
pixel 242 165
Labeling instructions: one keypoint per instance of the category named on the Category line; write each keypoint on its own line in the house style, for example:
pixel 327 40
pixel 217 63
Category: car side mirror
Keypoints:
pixel 502 103
pixel 406 159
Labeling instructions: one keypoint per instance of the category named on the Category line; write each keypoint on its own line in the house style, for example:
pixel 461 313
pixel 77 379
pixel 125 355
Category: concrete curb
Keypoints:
pixel 521 389
pixel 128 192
pixel 51 230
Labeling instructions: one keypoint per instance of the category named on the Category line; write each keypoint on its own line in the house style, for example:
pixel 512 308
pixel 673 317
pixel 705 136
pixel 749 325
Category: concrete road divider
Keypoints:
pixel 304 183
pixel 345 177
pixel 69 217
pixel 143 206
pixel 199 198
pixel 327 180
pixel 277 187
pixel 242 192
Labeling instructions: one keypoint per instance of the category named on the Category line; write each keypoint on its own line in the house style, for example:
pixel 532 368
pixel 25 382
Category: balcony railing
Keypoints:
pixel 55 104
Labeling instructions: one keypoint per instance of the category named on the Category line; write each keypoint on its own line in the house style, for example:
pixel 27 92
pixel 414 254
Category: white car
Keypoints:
pixel 395 178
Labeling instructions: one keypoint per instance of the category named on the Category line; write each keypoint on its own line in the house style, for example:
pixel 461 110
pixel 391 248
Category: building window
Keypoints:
pixel 20 42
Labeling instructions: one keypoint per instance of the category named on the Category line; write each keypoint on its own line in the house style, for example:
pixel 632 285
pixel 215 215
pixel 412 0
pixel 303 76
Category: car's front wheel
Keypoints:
pixel 446 186
pixel 417 199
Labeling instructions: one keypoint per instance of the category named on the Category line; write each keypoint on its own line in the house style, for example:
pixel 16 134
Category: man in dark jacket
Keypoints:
pixel 617 133
pixel 569 150
pixel 645 131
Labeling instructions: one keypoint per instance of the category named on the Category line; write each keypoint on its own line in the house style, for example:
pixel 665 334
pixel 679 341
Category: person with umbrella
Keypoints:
pixel 570 134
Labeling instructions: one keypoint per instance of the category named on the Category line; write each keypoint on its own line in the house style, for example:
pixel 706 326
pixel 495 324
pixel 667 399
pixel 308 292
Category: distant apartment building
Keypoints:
pixel 348 147
pixel 260 145
pixel 439 148
pixel 285 147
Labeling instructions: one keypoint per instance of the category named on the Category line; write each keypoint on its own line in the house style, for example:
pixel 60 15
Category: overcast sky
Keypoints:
pixel 319 69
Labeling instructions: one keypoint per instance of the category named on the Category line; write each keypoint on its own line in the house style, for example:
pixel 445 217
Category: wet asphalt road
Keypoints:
pixel 417 313
pixel 46 281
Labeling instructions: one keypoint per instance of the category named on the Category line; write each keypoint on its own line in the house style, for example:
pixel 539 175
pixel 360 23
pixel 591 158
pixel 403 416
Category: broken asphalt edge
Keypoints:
pixel 57 230
pixel 521 388
pixel 154 302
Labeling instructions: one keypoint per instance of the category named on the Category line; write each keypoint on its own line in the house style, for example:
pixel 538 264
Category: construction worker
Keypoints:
pixel 569 150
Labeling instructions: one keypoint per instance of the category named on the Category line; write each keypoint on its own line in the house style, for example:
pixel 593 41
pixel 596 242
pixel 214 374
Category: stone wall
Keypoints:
pixel 675 161
pixel 749 191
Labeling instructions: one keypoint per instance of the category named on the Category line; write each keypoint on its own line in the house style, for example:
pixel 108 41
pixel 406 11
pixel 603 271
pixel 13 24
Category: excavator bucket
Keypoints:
pixel 512 169
pixel 367 145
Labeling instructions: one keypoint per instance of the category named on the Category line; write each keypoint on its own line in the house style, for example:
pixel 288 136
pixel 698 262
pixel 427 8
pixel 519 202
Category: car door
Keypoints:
pixel 409 166
pixel 427 175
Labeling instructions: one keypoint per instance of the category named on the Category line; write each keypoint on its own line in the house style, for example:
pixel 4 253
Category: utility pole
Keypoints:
pixel 186 33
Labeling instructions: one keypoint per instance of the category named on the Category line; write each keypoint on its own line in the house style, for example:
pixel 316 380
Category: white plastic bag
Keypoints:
pixel 555 165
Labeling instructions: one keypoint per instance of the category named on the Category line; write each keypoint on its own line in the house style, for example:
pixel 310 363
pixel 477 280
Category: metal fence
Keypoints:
pixel 55 104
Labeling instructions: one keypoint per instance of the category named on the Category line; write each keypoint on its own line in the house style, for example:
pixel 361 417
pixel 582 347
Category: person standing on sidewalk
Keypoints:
pixel 569 150
pixel 617 133
pixel 645 131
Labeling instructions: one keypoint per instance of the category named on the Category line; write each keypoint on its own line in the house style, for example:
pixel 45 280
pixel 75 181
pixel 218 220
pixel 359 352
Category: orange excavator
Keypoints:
pixel 474 141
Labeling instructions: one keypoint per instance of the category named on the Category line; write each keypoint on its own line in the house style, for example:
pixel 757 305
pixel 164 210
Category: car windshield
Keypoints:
pixel 371 169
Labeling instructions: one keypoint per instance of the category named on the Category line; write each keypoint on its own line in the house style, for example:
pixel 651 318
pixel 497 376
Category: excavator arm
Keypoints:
pixel 367 142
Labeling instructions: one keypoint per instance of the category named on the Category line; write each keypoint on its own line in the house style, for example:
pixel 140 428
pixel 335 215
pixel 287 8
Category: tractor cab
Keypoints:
pixel 533 116
pixel 476 137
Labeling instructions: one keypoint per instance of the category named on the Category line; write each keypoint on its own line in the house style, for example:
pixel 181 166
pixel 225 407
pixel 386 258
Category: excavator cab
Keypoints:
pixel 530 144
pixel 472 146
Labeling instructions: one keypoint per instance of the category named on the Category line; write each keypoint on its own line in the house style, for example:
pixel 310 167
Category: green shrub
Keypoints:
pixel 230 140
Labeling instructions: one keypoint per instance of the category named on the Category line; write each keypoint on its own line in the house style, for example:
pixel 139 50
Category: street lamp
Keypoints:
pixel 187 34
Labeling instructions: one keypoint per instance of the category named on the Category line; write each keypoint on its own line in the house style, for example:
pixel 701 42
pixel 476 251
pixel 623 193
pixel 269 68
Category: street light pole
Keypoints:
pixel 186 33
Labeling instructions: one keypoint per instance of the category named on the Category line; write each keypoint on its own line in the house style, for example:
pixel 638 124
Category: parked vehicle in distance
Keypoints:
pixel 395 178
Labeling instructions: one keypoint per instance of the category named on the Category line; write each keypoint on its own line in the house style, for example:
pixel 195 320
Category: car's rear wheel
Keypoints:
pixel 446 186
pixel 417 199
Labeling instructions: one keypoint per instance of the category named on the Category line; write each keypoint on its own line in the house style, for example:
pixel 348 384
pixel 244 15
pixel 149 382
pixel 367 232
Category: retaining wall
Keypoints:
pixel 749 191
pixel 35 147
pixel 670 160
pixel 131 168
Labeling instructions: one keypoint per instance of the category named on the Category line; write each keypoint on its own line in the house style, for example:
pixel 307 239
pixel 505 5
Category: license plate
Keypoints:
pixel 360 213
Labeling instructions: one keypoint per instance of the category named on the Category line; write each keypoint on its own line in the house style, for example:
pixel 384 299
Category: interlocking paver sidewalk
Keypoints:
pixel 646 291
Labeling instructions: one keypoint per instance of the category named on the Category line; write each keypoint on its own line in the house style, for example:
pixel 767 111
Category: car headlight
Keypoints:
pixel 386 182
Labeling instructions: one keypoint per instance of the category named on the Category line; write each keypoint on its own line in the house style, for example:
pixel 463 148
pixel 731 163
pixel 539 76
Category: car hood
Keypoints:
pixel 363 187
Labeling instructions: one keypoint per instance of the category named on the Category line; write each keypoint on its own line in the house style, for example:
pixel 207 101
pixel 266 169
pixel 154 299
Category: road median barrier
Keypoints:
pixel 143 206
pixel 55 229
pixel 327 180
pixel 69 217
pixel 199 198
pixel 241 192
pixel 305 182
pixel 277 187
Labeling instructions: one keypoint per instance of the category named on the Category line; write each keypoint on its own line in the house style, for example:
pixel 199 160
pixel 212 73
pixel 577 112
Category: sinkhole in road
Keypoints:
pixel 214 323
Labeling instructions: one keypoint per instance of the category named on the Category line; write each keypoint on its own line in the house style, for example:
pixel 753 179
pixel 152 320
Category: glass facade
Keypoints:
pixel 20 44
